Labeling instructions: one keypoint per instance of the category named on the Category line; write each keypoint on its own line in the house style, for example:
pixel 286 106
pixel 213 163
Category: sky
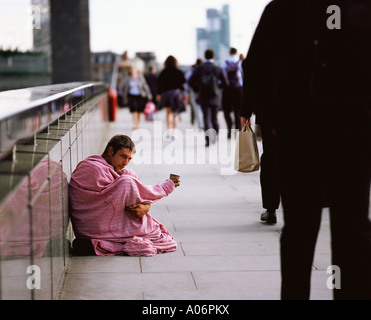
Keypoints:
pixel 162 26
pixel 15 24
pixel 166 26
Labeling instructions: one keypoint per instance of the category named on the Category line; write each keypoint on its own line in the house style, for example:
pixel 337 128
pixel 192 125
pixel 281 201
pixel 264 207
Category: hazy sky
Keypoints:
pixel 166 26
pixel 162 26
pixel 15 24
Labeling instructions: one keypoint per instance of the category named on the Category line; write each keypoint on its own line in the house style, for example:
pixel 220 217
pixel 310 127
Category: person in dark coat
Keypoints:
pixel 269 180
pixel 323 134
pixel 151 78
pixel 231 98
pixel 208 81
pixel 170 91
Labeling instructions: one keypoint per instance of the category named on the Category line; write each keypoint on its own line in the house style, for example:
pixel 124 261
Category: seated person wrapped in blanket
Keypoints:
pixel 109 206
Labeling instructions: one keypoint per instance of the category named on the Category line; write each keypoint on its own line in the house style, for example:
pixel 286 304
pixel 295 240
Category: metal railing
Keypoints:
pixel 25 112
pixel 44 133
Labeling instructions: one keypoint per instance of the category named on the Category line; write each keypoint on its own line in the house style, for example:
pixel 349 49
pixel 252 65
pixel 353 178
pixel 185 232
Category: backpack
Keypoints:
pixel 341 57
pixel 208 85
pixel 232 74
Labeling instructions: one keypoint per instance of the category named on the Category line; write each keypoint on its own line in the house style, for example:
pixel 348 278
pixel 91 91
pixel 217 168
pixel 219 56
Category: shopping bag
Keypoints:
pixel 247 153
pixel 149 111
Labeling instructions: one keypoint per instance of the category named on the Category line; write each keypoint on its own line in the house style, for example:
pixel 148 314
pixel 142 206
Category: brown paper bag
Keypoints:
pixel 247 153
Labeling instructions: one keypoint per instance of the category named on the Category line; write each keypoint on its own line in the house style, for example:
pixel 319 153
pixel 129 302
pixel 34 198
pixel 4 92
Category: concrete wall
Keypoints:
pixel 34 224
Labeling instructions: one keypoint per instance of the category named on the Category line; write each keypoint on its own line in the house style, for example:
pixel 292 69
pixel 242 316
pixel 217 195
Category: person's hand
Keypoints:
pixel 176 181
pixel 138 210
pixel 244 120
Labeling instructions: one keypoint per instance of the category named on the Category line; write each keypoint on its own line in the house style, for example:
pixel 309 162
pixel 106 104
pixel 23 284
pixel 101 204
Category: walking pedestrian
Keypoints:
pixel 269 179
pixel 136 94
pixel 232 93
pixel 308 70
pixel 120 93
pixel 170 86
pixel 151 78
pixel 208 80
pixel 196 108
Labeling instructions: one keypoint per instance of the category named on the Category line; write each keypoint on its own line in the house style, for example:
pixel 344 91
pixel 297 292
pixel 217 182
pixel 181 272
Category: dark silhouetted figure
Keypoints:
pixel 309 75
pixel 170 91
pixel 208 80
pixel 232 93
pixel 151 78
pixel 269 179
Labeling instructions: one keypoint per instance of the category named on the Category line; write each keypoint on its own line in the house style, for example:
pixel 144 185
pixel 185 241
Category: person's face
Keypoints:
pixel 120 159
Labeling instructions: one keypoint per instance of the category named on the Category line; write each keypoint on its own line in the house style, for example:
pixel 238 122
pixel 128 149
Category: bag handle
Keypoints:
pixel 246 127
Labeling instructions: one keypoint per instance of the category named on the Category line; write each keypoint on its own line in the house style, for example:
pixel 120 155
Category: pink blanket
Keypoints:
pixel 98 197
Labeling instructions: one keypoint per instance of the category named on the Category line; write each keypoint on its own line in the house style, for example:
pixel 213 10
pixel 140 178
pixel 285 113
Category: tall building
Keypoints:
pixel 216 35
pixel 63 35
pixel 41 34
pixel 70 40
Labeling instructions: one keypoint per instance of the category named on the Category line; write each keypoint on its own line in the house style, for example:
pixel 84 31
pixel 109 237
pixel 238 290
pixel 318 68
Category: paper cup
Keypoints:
pixel 174 177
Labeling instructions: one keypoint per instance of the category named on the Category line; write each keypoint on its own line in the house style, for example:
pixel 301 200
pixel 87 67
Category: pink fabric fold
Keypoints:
pixel 98 197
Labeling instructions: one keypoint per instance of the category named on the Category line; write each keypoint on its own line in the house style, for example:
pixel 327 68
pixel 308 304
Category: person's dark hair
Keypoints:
pixel 198 63
pixel 209 54
pixel 171 62
pixel 119 142
pixel 151 68
pixel 232 51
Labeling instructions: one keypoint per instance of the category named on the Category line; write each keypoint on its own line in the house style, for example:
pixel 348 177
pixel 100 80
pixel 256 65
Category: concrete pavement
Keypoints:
pixel 224 251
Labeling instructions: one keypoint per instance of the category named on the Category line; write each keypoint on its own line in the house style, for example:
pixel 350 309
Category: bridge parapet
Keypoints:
pixel 44 133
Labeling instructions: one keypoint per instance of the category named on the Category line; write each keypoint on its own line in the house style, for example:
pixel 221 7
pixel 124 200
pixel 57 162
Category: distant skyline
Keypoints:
pixel 162 26
pixel 166 26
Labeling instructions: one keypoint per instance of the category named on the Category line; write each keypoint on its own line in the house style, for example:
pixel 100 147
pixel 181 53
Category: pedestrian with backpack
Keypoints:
pixel 231 98
pixel 208 81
